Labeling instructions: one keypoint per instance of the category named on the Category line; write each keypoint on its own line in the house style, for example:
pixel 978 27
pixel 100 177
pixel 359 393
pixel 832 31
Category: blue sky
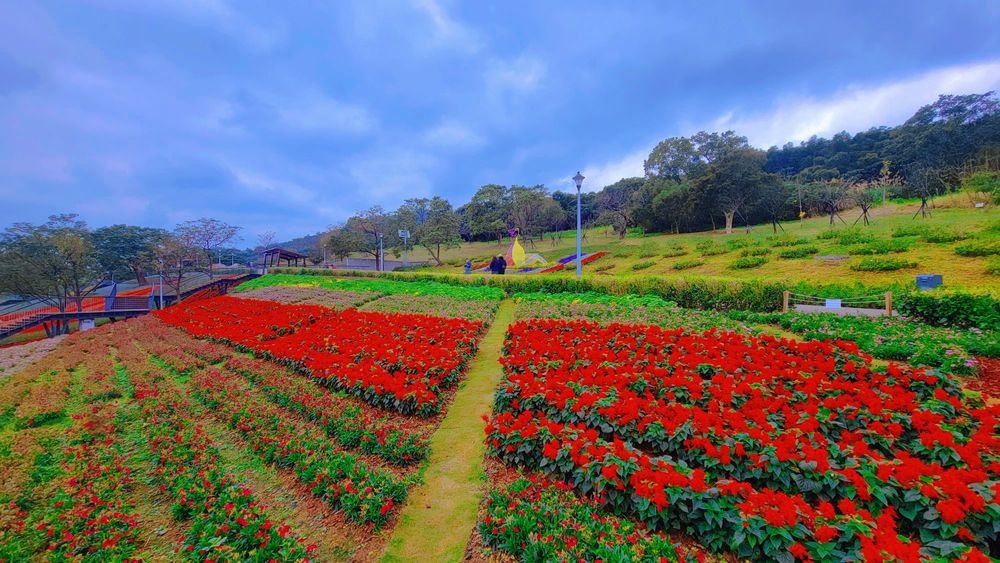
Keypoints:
pixel 292 116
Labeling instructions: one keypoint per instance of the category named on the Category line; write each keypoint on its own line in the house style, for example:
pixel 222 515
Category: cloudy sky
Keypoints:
pixel 291 116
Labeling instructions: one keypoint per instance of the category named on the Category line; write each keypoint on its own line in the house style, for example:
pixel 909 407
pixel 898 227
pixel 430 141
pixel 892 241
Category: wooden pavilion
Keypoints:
pixel 274 257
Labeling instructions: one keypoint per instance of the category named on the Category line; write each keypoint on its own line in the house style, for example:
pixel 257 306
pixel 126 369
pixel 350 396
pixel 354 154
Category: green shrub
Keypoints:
pixel 942 236
pixel 675 251
pixel 755 251
pixel 747 262
pixel 910 231
pixel 881 264
pixel 798 252
pixel 692 293
pixel 855 236
pixel 882 247
pixel 787 241
pixel 688 264
pixel 979 248
pixel 710 248
pixel 624 253
pixel 993 267
pixel 647 250
pixel 603 267
pixel 738 243
pixel 642 265
pixel 828 235
pixel 951 308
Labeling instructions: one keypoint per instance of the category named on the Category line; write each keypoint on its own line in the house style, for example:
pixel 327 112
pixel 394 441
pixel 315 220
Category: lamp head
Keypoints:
pixel 578 179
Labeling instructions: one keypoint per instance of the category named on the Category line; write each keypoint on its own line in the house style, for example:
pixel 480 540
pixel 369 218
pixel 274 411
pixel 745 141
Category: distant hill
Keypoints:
pixel 302 245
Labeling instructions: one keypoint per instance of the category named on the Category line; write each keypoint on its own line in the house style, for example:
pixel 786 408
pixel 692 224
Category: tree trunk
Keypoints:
pixel 140 275
pixel 729 221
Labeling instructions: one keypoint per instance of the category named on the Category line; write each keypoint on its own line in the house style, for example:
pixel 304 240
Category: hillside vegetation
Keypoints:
pixel 921 245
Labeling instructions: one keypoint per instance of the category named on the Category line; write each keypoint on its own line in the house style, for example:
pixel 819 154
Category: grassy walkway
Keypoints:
pixel 440 514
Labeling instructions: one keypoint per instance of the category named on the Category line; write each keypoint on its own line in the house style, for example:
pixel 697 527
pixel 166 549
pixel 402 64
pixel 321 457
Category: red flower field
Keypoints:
pixel 756 446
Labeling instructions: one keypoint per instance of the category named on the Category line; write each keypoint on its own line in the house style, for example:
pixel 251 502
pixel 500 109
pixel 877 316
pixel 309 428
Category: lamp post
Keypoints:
pixel 579 182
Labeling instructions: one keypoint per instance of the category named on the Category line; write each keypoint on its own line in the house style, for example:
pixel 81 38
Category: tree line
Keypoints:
pixel 62 261
pixel 711 180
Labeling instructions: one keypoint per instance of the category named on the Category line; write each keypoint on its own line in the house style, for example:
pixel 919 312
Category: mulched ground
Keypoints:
pixel 987 381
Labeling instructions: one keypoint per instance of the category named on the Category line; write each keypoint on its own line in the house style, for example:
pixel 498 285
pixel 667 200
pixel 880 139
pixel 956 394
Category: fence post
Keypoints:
pixel 785 297
pixel 888 303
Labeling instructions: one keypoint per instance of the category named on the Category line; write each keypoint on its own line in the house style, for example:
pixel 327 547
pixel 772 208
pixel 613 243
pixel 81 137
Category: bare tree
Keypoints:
pixel 207 234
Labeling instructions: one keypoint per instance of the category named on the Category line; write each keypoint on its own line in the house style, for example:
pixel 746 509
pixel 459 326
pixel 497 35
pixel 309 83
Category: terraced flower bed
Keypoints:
pixel 759 447
pixel 400 362
pixel 606 309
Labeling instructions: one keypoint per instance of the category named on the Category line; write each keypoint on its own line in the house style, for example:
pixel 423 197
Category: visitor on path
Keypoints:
pixel 502 265
pixel 495 265
pixel 468 266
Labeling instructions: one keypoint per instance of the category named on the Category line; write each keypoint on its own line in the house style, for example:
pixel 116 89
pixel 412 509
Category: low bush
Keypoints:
pixel 880 264
pixel 951 308
pixel 993 267
pixel 910 231
pixel 882 247
pixel 710 248
pixel 855 236
pixel 624 253
pixel 979 248
pixel 747 262
pixel 687 264
pixel 943 236
pixel 738 243
pixel 643 265
pixel 798 252
pixel 603 267
pixel 755 251
pixel 787 241
pixel 647 250
pixel 675 251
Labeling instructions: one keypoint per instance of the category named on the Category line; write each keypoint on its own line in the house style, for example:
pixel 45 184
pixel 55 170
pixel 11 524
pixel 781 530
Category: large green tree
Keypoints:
pixel 54 262
pixel 126 250
pixel 439 229
pixel 488 210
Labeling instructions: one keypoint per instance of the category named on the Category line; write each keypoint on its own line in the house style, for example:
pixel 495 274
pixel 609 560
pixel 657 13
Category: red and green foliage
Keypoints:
pixel 539 521
pixel 365 495
pixel 748 443
pixel 401 361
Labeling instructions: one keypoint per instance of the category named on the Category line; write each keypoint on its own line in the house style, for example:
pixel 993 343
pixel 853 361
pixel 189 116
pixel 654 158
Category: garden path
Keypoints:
pixel 440 514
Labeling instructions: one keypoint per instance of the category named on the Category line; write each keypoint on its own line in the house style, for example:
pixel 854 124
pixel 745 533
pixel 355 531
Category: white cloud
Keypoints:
pixel 523 73
pixel 597 176
pixel 445 30
pixel 857 107
pixel 453 135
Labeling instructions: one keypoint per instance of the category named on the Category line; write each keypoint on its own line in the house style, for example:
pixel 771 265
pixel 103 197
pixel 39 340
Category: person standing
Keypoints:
pixel 468 266
pixel 495 265
pixel 502 265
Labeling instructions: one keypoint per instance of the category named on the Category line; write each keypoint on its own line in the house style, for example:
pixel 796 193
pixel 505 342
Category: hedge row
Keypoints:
pixel 939 308
pixel 693 293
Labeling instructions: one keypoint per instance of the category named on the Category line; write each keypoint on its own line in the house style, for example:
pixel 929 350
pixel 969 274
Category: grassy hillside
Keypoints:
pixel 924 245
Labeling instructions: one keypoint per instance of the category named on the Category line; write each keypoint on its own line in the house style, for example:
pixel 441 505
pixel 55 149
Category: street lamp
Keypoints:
pixel 579 182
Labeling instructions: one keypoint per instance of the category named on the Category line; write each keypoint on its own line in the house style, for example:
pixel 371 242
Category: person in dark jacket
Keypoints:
pixel 495 265
pixel 502 265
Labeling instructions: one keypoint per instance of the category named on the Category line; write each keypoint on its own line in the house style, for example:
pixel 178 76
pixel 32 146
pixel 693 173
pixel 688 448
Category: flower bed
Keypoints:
pixel 311 296
pixel 474 309
pixel 363 494
pixel 603 308
pixel 762 447
pixel 892 338
pixel 540 521
pixel 381 286
pixel 401 362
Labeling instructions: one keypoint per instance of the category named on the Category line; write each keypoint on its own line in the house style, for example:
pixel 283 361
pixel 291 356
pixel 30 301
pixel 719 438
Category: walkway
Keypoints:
pixel 440 514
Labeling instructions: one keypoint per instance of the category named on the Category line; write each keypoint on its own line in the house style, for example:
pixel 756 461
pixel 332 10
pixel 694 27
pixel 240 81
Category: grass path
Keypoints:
pixel 439 516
